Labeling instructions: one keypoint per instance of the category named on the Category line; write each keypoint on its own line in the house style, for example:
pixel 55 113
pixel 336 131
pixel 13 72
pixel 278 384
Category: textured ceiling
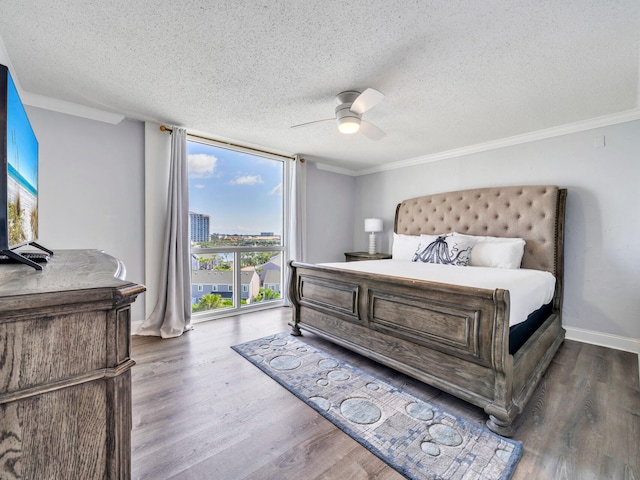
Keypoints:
pixel 454 73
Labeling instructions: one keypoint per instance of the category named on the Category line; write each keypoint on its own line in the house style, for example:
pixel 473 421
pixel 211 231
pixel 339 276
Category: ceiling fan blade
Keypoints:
pixel 315 121
pixel 366 100
pixel 371 131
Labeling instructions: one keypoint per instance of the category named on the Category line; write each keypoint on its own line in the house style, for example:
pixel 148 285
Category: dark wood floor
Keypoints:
pixel 201 411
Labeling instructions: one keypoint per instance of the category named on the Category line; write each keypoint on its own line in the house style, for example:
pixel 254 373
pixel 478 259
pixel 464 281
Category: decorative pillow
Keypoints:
pixel 404 246
pixel 445 249
pixel 496 252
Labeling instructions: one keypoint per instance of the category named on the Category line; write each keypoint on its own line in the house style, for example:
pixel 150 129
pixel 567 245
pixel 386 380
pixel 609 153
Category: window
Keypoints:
pixel 236 226
pixel 200 288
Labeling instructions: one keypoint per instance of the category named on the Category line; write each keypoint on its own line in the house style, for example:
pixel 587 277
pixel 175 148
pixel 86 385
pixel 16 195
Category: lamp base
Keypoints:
pixel 372 243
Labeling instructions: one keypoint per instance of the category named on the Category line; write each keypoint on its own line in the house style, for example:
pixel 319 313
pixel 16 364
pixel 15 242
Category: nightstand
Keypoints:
pixel 357 256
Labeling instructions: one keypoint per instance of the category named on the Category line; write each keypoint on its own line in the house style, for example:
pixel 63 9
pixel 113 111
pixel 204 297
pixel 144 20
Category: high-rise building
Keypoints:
pixel 198 227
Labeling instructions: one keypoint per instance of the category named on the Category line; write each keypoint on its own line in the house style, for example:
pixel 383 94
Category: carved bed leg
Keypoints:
pixel 500 427
pixel 295 330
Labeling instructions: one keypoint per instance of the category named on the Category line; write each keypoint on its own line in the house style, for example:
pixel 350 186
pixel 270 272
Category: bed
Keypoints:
pixel 457 338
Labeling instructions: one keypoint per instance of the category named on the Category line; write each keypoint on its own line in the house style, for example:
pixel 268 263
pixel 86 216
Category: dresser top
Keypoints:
pixel 67 270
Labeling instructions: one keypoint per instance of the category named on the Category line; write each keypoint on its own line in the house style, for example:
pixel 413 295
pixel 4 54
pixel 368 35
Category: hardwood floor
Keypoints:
pixel 201 411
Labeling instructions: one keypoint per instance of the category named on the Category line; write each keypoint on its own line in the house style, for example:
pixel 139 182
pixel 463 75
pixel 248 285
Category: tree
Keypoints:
pixel 222 265
pixel 252 259
pixel 266 294
pixel 208 301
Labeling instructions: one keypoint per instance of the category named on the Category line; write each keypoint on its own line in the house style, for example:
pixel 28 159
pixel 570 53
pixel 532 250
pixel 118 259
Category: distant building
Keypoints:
pixel 275 264
pixel 204 261
pixel 198 227
pixel 272 280
pixel 221 282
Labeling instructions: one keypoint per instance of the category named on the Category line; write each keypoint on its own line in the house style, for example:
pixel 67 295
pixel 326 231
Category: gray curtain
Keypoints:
pixel 297 226
pixel 171 316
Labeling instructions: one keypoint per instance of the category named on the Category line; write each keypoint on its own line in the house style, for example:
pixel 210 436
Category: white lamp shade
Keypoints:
pixel 372 224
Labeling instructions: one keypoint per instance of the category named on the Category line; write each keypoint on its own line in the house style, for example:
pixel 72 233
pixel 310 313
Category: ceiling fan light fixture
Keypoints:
pixel 348 125
pixel 350 106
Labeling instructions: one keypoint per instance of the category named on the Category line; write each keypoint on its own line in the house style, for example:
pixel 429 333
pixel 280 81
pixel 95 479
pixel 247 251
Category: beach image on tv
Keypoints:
pixel 22 182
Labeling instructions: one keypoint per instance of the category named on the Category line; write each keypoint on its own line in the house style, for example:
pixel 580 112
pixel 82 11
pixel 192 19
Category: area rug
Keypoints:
pixel 416 438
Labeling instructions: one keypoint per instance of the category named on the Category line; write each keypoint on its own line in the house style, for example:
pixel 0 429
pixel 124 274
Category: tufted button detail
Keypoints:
pixel 500 211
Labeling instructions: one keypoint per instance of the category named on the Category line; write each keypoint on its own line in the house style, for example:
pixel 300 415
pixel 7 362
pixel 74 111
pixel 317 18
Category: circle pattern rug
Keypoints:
pixel 418 439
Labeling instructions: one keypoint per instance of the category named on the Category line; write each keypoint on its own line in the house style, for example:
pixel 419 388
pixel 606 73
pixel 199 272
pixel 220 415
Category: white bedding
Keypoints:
pixel 528 289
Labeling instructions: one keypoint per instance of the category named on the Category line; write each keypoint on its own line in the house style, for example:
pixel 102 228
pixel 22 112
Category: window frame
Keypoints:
pixel 283 248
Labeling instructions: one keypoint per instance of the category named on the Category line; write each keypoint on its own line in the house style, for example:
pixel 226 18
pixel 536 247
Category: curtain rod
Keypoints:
pixel 167 129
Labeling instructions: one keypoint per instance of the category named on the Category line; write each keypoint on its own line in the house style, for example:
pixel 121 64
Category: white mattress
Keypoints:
pixel 528 289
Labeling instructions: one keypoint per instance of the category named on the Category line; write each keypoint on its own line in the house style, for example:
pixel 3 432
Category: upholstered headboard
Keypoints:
pixel 534 213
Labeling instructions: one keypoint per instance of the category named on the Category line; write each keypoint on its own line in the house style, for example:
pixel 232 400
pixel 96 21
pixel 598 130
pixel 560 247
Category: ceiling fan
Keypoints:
pixel 351 106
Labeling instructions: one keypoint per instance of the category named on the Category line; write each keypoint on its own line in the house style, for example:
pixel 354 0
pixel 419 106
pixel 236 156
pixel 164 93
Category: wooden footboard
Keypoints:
pixel 414 327
pixel 454 338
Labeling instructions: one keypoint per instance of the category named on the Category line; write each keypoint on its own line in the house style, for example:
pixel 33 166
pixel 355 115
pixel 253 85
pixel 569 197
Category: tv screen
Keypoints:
pixel 19 177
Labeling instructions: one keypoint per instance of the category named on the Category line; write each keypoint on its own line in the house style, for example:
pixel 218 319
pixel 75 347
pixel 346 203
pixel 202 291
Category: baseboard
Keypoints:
pixel 605 340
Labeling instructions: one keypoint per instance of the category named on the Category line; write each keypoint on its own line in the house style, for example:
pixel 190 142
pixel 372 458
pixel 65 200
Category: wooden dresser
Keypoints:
pixel 65 379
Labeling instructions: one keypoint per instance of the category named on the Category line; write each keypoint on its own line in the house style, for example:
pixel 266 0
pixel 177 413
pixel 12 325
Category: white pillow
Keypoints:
pixel 496 252
pixel 404 246
pixel 445 249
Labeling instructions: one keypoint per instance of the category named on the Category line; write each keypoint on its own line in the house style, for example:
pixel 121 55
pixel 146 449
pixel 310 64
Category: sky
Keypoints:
pixel 26 159
pixel 241 193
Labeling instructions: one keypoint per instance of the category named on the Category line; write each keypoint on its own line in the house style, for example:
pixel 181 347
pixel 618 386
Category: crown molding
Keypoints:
pixel 62 106
pixel 598 122
pixel 49 103
pixel 332 168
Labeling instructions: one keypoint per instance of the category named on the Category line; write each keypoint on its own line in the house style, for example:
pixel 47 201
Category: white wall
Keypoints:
pixel 330 209
pixel 602 250
pixel 91 193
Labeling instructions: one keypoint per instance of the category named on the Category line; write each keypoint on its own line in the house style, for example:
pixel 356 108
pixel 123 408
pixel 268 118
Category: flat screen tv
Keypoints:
pixel 18 178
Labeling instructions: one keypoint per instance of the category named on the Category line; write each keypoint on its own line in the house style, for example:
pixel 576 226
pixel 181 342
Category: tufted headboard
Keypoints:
pixel 534 213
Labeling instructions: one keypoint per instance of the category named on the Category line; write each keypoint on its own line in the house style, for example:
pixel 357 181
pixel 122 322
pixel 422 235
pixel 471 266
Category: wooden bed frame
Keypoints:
pixel 454 338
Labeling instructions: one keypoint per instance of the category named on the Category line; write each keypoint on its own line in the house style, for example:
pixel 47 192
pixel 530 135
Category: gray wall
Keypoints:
pixel 91 191
pixel 330 202
pixel 92 179
pixel 602 253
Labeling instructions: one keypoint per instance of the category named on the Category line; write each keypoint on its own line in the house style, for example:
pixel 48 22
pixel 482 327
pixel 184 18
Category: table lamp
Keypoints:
pixel 372 225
